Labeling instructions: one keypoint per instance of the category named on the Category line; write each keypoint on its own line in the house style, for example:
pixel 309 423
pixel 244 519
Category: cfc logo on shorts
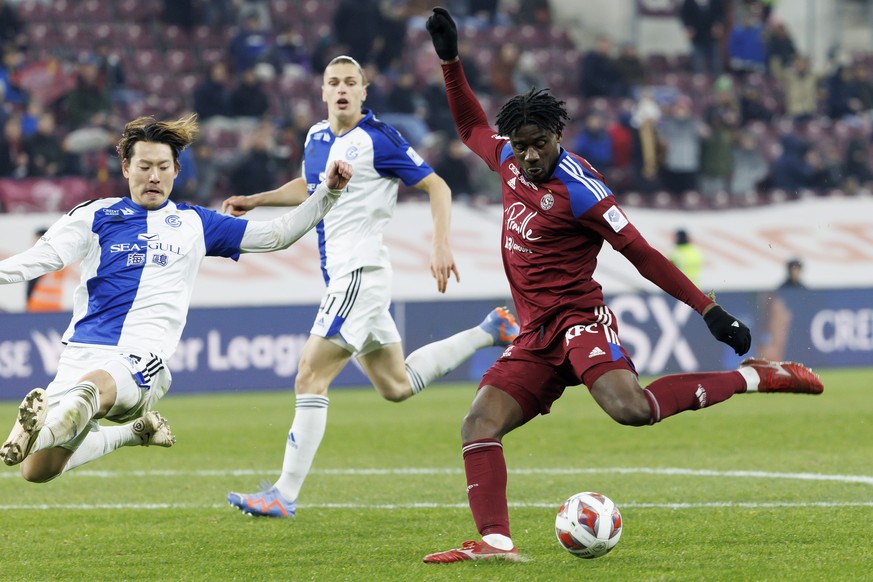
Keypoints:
pixel 577 330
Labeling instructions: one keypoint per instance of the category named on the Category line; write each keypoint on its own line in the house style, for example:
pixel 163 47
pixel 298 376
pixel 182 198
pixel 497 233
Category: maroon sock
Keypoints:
pixel 486 485
pixel 680 392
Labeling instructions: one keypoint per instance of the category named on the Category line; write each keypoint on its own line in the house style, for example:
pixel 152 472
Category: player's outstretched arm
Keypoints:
pixel 727 329
pixel 655 267
pixel 282 232
pixel 444 34
pixel 442 263
pixel 30 264
pixel 291 193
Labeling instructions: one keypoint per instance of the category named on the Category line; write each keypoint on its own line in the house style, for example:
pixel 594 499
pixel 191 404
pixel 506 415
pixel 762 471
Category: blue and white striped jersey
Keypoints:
pixel 138 268
pixel 350 236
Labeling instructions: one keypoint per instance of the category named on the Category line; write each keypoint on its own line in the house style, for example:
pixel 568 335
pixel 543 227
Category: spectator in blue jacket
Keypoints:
pixel 594 143
pixel 747 50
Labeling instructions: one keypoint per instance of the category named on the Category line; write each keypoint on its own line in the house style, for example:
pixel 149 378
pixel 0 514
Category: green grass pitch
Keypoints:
pixel 762 487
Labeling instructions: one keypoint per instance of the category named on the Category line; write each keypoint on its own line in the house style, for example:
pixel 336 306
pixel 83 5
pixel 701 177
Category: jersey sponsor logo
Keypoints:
pixel 173 221
pixel 135 259
pixel 577 330
pixel 511 183
pixel 118 211
pixel 138 248
pixel 615 218
pixel 160 260
pixel 513 247
pixel 148 236
pixel 352 152
pixel 547 201
pixel 518 220
pixel 514 169
pixel 413 155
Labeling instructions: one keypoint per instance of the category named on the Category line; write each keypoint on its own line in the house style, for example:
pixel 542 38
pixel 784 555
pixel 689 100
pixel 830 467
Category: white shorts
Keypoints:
pixel 143 373
pixel 354 311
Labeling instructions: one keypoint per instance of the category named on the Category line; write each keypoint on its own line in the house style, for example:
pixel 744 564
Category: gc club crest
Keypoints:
pixel 547 201
pixel 352 153
pixel 173 220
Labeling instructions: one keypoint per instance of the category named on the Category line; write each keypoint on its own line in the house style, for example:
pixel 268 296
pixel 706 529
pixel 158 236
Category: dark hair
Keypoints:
pixel 537 106
pixel 177 134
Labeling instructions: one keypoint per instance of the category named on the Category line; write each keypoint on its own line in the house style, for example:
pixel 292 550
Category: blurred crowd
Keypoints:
pixel 742 118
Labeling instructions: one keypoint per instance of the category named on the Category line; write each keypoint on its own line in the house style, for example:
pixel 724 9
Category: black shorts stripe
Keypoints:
pixel 152 367
pixel 351 293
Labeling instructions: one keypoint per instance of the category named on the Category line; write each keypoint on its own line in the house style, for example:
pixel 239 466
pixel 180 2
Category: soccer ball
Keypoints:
pixel 588 525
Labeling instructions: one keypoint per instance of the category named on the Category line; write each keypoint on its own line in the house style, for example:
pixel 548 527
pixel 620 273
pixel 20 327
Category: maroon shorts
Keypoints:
pixel 537 376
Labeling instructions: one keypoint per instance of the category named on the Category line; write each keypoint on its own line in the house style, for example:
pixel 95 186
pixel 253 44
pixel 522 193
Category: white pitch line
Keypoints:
pixel 389 506
pixel 380 506
pixel 667 471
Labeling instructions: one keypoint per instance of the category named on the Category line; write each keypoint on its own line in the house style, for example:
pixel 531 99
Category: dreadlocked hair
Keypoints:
pixel 537 106
pixel 177 134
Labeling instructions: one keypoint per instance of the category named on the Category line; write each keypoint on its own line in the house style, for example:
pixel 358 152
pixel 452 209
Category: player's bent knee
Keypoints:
pixel 396 396
pixel 631 414
pixel 477 426
pixel 38 474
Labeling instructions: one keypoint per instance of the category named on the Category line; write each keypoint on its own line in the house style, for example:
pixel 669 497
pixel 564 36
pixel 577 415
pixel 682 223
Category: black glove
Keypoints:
pixel 728 329
pixel 443 33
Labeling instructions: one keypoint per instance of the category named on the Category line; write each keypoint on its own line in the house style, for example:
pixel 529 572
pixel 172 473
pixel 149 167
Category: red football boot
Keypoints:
pixel 788 377
pixel 472 550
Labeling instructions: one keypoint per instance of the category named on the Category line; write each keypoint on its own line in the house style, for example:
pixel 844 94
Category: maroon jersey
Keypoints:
pixel 553 230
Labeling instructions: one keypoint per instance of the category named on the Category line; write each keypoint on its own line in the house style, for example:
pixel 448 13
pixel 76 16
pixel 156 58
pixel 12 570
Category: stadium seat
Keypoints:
pixel 40 33
pixel 70 33
pixel 43 194
pixel 32 11
pixel 137 10
pixel 93 11
pixel 187 82
pixel 179 61
pixel 209 56
pixel 145 60
pixel 137 36
pixel 156 82
pixel 59 10
pixel 102 32
pixel 210 37
pixel 173 37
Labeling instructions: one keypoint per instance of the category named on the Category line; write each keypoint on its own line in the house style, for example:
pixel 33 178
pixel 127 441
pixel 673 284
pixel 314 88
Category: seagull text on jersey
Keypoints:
pixel 138 248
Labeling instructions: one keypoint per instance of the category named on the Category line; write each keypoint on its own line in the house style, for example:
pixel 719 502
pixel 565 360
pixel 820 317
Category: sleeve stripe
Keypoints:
pixel 393 136
pixel 575 170
pixel 505 152
pixel 81 205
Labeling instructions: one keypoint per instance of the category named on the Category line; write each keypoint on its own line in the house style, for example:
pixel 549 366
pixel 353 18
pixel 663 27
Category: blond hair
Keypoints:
pixel 347 60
